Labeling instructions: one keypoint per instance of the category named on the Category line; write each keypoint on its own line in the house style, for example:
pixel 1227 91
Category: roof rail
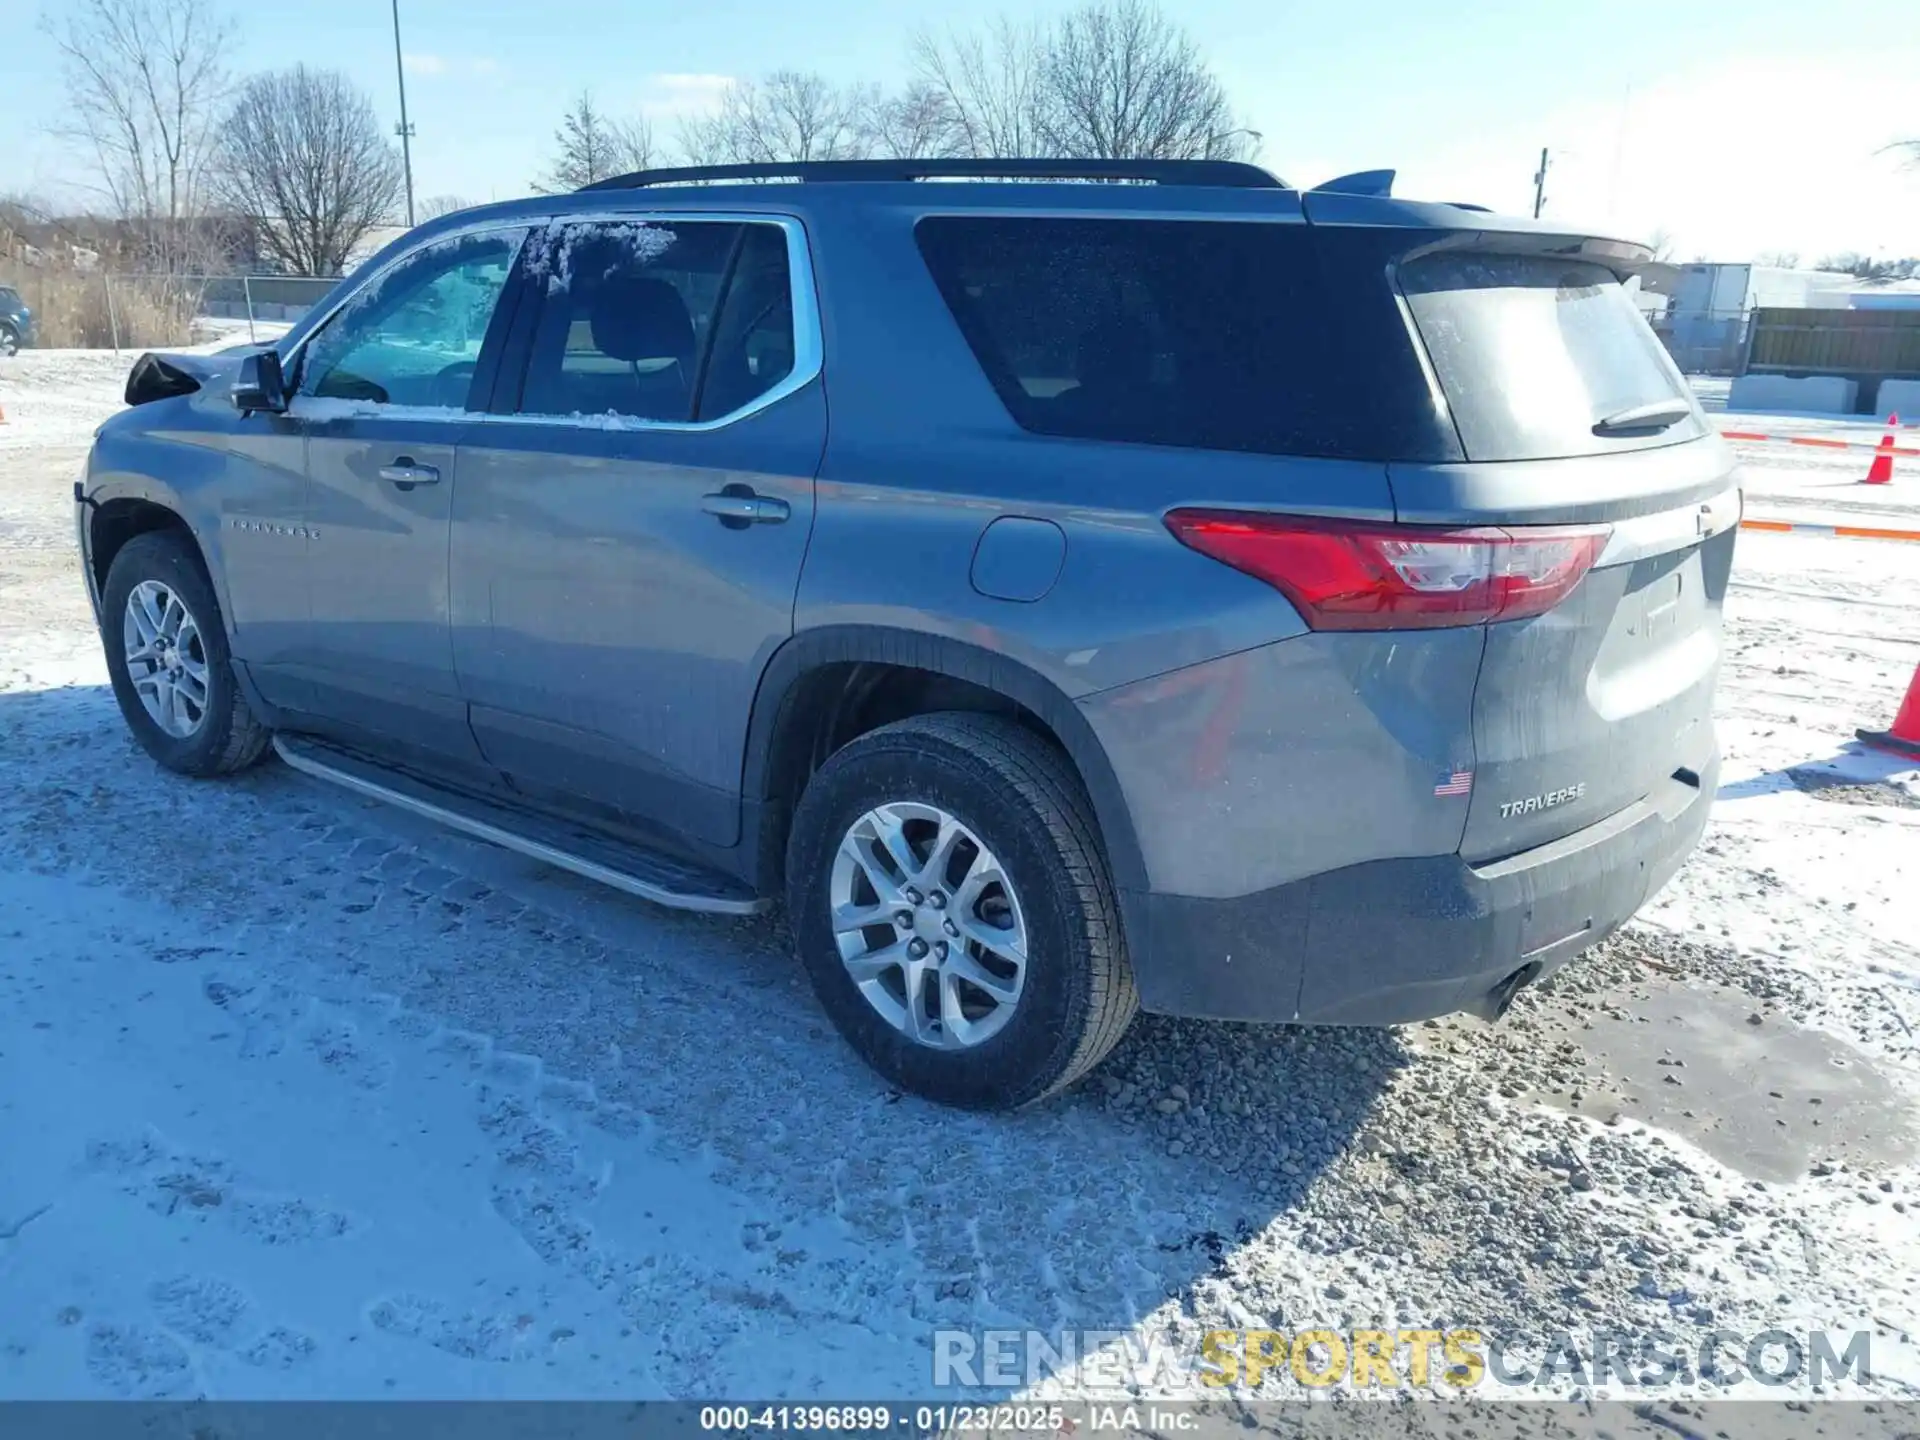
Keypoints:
pixel 1361 182
pixel 1234 173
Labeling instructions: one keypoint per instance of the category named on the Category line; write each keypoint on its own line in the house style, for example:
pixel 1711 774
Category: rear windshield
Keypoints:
pixel 1203 334
pixel 1533 352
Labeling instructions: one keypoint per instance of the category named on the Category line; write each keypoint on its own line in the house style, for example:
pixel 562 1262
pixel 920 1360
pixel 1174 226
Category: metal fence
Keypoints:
pixel 1706 342
pixel 263 299
pixel 98 308
pixel 1868 347
pixel 1859 343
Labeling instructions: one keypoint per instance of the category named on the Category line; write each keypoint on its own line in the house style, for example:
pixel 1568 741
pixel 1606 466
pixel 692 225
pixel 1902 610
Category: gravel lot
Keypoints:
pixel 304 1098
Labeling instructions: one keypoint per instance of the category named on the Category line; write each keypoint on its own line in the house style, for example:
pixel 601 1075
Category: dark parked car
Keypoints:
pixel 1198 594
pixel 16 322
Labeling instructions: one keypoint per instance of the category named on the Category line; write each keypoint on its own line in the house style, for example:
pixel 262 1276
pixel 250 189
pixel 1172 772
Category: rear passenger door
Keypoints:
pixel 629 522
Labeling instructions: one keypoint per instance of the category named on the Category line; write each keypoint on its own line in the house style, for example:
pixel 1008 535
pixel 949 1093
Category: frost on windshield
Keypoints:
pixel 585 254
pixel 396 335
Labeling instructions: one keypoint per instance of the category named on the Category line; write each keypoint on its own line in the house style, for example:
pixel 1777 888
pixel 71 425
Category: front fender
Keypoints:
pixel 176 467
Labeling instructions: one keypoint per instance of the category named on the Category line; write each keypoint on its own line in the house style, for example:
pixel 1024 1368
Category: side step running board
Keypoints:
pixel 651 876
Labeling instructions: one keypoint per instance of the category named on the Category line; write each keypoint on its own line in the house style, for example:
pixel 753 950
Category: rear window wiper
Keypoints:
pixel 1644 419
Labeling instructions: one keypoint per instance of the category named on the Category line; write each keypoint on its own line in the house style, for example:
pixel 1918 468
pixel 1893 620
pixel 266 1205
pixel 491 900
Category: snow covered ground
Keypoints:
pixel 219 330
pixel 300 1097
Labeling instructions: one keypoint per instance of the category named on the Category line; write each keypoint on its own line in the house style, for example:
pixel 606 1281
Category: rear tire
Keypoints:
pixel 209 729
pixel 9 339
pixel 1014 809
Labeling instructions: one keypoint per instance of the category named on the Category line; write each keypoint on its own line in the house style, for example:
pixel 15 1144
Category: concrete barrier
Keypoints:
pixel 1820 394
pixel 1898 397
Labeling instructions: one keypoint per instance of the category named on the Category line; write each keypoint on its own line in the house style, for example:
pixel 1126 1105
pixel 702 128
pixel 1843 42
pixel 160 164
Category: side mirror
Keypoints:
pixel 259 385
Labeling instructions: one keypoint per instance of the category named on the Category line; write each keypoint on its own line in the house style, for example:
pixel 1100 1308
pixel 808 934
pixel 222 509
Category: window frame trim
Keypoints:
pixel 809 349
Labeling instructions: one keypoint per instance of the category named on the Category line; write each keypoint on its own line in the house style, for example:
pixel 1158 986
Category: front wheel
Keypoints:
pixel 952 906
pixel 168 658
pixel 9 339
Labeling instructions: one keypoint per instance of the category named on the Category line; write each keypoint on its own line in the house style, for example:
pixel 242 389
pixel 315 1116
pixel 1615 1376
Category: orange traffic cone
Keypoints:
pixel 1904 737
pixel 1880 472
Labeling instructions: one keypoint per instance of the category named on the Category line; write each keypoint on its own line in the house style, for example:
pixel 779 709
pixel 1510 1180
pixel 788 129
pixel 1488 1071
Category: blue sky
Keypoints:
pixel 1734 127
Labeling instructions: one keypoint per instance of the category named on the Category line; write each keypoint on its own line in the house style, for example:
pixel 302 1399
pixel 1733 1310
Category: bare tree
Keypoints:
pixel 633 146
pixel 1661 243
pixel 1867 268
pixel 787 116
pixel 990 86
pixel 144 84
pixel 1781 259
pixel 916 124
pixel 1114 79
pixel 1120 81
pixel 434 206
pixel 303 158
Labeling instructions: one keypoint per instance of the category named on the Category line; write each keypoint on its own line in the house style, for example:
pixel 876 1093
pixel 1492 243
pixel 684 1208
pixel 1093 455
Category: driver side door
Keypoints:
pixel 384 391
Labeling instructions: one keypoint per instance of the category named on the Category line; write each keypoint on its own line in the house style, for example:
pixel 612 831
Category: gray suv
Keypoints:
pixel 1181 592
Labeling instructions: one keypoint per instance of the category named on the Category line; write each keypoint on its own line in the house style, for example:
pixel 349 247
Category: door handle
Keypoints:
pixel 738 507
pixel 403 474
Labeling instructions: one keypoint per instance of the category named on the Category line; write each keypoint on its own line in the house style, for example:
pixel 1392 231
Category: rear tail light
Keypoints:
pixel 1357 576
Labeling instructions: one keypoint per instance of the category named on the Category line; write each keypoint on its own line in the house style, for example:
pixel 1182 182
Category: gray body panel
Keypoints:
pixel 263 495
pixel 609 633
pixel 1259 768
pixel 1610 693
pixel 376 652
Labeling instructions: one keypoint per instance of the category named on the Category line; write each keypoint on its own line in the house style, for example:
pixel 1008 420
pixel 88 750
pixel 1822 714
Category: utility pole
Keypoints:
pixel 405 131
pixel 1539 178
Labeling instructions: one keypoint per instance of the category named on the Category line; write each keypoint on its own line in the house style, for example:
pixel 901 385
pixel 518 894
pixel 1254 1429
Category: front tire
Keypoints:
pixel 9 339
pixel 167 655
pixel 950 901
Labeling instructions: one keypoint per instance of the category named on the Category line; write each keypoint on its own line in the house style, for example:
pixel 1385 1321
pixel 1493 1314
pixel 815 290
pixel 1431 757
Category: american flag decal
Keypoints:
pixel 1458 783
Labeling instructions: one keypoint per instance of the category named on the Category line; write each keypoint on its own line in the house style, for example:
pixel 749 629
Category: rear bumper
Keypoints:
pixel 1392 941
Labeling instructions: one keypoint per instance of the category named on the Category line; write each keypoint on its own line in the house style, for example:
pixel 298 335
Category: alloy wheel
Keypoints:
pixel 166 658
pixel 928 925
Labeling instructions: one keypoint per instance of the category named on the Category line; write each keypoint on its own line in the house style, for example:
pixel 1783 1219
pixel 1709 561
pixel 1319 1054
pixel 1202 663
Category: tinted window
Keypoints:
pixel 1533 352
pixel 1212 334
pixel 753 338
pixel 413 336
pixel 646 320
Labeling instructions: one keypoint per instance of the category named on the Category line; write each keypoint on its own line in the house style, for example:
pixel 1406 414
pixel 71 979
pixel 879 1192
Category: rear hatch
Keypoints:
pixel 1569 412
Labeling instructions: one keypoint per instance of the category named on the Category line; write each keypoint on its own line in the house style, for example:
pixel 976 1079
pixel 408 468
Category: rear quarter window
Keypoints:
pixel 1211 334
pixel 1533 352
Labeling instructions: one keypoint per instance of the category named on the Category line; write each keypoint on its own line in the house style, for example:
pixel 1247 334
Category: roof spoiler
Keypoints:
pixel 1360 182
